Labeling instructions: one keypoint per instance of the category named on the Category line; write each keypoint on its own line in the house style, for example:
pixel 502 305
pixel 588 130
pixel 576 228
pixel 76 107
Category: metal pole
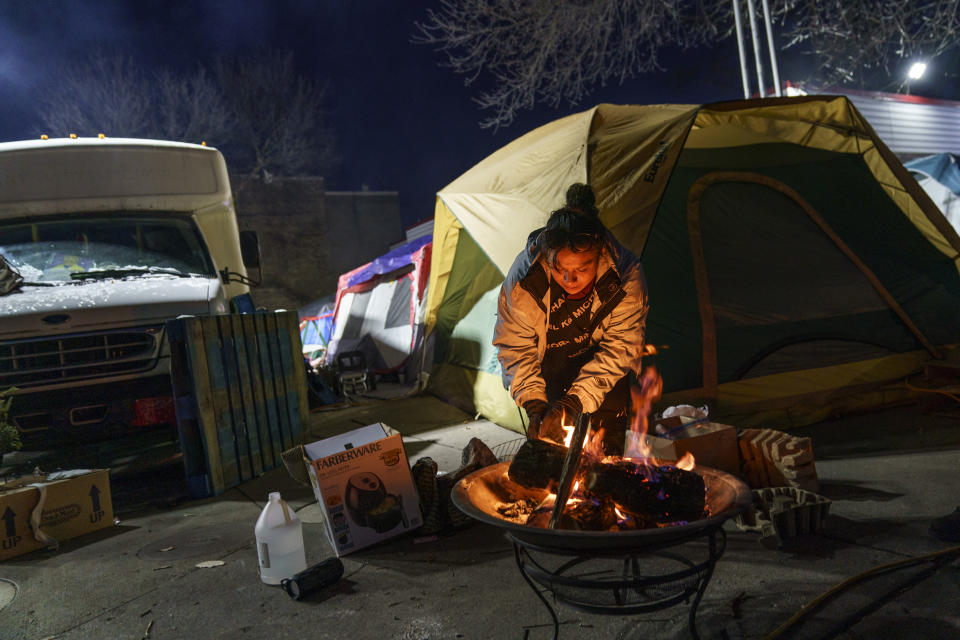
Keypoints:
pixel 756 46
pixel 743 58
pixel 772 48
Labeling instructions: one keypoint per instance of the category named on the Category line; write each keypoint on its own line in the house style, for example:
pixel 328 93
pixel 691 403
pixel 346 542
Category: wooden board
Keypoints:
pixel 241 395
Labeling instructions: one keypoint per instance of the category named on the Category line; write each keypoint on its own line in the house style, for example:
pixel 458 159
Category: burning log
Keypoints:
pixel 650 493
pixel 537 464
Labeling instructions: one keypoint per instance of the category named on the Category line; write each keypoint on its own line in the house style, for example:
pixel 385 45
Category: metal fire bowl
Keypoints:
pixel 480 493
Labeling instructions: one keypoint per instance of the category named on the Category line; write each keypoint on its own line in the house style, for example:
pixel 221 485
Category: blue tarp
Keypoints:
pixel 942 167
pixel 391 261
pixel 317 330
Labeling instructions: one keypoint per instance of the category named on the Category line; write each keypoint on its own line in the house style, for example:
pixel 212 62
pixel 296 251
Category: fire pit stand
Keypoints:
pixel 610 572
pixel 615 583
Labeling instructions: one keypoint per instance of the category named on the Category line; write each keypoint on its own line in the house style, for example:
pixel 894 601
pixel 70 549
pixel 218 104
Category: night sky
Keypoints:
pixel 401 122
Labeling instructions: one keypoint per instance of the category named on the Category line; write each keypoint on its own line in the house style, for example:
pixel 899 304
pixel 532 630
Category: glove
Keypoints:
pixel 564 411
pixel 535 410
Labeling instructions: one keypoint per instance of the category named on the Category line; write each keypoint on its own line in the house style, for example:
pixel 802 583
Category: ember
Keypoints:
pixel 599 514
pixel 518 511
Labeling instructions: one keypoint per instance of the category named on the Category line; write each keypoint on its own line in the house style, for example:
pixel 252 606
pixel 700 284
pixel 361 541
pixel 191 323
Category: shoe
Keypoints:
pixel 947 528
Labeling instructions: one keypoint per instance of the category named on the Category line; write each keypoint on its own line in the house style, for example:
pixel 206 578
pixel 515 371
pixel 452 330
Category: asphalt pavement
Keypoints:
pixel 892 473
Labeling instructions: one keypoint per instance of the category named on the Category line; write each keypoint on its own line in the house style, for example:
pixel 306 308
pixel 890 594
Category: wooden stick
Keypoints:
pixel 570 465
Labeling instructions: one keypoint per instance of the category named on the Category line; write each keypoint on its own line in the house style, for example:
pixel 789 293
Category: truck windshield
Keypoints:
pixel 61 249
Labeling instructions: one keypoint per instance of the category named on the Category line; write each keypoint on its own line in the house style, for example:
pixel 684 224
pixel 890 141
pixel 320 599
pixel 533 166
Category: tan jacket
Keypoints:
pixel 619 303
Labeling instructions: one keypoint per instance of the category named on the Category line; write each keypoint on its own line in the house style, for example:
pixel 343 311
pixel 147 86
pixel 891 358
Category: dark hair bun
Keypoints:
pixel 580 197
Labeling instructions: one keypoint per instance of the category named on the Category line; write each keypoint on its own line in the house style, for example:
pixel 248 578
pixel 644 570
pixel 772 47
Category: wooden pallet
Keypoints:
pixel 241 395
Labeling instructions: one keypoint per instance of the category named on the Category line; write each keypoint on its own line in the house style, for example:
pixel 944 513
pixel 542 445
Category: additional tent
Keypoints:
pixel 939 175
pixel 379 309
pixel 795 268
pixel 316 324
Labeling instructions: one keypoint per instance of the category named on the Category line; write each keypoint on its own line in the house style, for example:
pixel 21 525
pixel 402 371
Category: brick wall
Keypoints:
pixel 309 236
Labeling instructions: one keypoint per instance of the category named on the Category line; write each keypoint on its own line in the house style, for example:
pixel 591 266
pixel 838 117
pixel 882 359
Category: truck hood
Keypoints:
pixel 84 306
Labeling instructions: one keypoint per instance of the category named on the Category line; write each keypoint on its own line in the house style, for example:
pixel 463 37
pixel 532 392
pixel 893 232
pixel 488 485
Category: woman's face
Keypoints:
pixel 575 270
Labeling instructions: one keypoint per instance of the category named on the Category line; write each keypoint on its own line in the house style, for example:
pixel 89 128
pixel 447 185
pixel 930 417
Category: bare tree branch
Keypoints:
pixel 851 41
pixel 523 52
pixel 267 119
pixel 279 115
pixel 106 94
pixel 550 51
pixel 191 107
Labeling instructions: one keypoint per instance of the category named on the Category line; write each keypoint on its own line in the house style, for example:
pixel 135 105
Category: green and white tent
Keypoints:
pixel 796 270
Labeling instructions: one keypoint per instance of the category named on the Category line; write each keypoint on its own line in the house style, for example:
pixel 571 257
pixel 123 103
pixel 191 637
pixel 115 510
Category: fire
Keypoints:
pixel 596 505
pixel 687 462
pixel 593 445
pixel 643 396
pixel 574 498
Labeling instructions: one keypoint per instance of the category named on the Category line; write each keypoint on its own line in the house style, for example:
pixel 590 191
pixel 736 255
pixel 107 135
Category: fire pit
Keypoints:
pixel 609 572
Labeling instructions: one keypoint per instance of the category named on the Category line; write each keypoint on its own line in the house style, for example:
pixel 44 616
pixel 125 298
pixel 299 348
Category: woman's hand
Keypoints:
pixel 564 411
pixel 535 410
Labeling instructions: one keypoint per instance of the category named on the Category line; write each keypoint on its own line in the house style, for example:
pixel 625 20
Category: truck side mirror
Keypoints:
pixel 250 248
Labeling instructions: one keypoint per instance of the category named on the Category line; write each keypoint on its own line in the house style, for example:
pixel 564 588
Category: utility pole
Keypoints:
pixel 772 49
pixel 756 47
pixel 755 37
pixel 738 20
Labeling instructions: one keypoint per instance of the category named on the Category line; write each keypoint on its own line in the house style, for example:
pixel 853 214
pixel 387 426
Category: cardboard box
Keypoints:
pixel 65 504
pixel 712 445
pixel 363 483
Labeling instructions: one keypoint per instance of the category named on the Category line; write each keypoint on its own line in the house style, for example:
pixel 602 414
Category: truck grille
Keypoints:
pixel 28 363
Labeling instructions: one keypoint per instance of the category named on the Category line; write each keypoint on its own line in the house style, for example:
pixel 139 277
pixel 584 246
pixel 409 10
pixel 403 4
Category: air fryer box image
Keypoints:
pixel 362 481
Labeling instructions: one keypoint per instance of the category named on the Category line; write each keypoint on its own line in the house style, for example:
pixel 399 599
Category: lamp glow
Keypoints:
pixel 917 70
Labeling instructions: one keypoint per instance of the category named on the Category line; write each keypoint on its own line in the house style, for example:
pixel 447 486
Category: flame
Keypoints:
pixel 649 350
pixel 569 436
pixel 687 462
pixel 643 396
pixel 620 515
pixel 574 498
pixel 593 444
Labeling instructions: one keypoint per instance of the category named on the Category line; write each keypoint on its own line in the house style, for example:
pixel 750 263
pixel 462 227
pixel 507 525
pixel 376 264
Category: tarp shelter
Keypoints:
pixel 795 268
pixel 316 324
pixel 939 175
pixel 379 309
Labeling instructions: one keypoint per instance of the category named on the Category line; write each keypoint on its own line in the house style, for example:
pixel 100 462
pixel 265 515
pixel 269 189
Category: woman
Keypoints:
pixel 570 326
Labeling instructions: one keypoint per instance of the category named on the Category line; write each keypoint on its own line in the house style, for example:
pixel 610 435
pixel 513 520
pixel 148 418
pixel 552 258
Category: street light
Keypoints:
pixel 917 70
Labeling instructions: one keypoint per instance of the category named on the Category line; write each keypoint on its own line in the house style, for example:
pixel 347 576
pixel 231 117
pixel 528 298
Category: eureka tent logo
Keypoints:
pixel 651 173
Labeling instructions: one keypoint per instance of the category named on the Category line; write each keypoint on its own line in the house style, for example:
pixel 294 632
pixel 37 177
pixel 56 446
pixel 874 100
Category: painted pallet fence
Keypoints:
pixel 241 395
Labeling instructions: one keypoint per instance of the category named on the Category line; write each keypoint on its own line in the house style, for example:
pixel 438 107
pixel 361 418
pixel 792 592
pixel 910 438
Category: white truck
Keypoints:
pixel 112 237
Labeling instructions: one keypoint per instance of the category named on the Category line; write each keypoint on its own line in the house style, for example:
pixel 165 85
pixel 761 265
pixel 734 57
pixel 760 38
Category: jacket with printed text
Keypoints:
pixel 618 318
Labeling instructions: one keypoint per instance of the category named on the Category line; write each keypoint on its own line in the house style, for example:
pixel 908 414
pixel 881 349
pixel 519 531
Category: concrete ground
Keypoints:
pixel 140 579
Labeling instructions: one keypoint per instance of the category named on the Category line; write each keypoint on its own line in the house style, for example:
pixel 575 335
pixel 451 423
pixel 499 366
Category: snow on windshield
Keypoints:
pixel 55 250
pixel 138 295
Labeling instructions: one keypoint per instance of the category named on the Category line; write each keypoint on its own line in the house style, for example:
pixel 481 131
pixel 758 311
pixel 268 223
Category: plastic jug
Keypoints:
pixel 279 536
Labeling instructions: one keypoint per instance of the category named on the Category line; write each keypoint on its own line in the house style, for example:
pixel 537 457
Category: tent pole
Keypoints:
pixel 772 48
pixel 738 20
pixel 756 46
